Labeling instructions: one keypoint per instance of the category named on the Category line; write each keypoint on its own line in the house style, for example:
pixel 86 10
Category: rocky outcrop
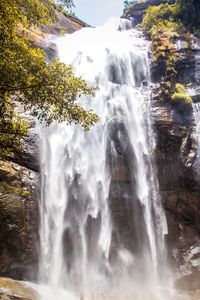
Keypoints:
pixel 16 290
pixel 64 24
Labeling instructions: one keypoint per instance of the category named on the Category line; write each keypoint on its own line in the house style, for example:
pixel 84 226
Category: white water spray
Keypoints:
pixel 196 114
pixel 79 250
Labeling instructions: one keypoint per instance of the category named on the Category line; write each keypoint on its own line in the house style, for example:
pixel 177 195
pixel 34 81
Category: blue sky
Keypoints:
pixel 97 12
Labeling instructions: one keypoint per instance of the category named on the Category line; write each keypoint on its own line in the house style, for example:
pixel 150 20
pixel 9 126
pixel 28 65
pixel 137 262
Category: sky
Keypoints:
pixel 97 12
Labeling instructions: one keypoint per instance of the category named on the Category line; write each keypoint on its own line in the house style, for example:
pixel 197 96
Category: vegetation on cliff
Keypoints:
pixel 164 24
pixel 48 89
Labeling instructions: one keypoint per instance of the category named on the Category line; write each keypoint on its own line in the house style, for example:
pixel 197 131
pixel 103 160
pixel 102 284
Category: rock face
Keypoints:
pixel 122 190
pixel 64 24
pixel 19 221
pixel 179 172
pixel 176 158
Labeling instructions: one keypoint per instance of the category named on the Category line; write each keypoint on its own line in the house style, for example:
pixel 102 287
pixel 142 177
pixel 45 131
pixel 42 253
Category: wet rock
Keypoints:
pixel 4 295
pixel 18 221
pixel 195 98
pixel 190 283
pixel 16 290
pixel 185 67
pixel 176 157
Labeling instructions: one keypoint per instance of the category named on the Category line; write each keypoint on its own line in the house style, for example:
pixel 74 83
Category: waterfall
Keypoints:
pixel 196 114
pixel 196 106
pixel 84 249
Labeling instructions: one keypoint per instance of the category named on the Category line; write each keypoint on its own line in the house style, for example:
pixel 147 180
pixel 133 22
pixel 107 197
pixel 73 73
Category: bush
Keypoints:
pixel 181 94
pixel 182 97
pixel 180 88
pixel 189 14
pixel 181 100
pixel 163 24
pixel 161 17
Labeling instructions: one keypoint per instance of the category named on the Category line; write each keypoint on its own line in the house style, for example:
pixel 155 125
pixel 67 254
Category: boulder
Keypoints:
pixel 16 290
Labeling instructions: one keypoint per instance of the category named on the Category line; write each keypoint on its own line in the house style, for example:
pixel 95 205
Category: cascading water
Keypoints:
pixel 79 250
pixel 196 106
pixel 196 114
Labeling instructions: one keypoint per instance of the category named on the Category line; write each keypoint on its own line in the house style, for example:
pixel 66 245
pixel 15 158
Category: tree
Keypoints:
pixel 127 3
pixel 48 90
pixel 66 3
pixel 189 14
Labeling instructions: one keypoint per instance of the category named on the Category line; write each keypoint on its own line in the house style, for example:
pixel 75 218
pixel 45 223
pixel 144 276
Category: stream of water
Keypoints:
pixel 82 253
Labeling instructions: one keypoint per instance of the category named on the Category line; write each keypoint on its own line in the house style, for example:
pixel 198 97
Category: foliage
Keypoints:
pixel 163 25
pixel 66 3
pixel 163 47
pixel 188 12
pixel 48 90
pixel 65 6
pixel 180 94
pixel 127 3
pixel 183 13
pixel 162 18
pixel 181 97
pixel 180 88
pixel 25 193
pixel 11 131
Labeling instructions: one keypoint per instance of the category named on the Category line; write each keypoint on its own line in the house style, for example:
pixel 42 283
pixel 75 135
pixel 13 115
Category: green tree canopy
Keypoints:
pixel 48 90
pixel 189 14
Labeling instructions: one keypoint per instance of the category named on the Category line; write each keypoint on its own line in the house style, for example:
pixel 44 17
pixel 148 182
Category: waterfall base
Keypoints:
pixel 21 290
